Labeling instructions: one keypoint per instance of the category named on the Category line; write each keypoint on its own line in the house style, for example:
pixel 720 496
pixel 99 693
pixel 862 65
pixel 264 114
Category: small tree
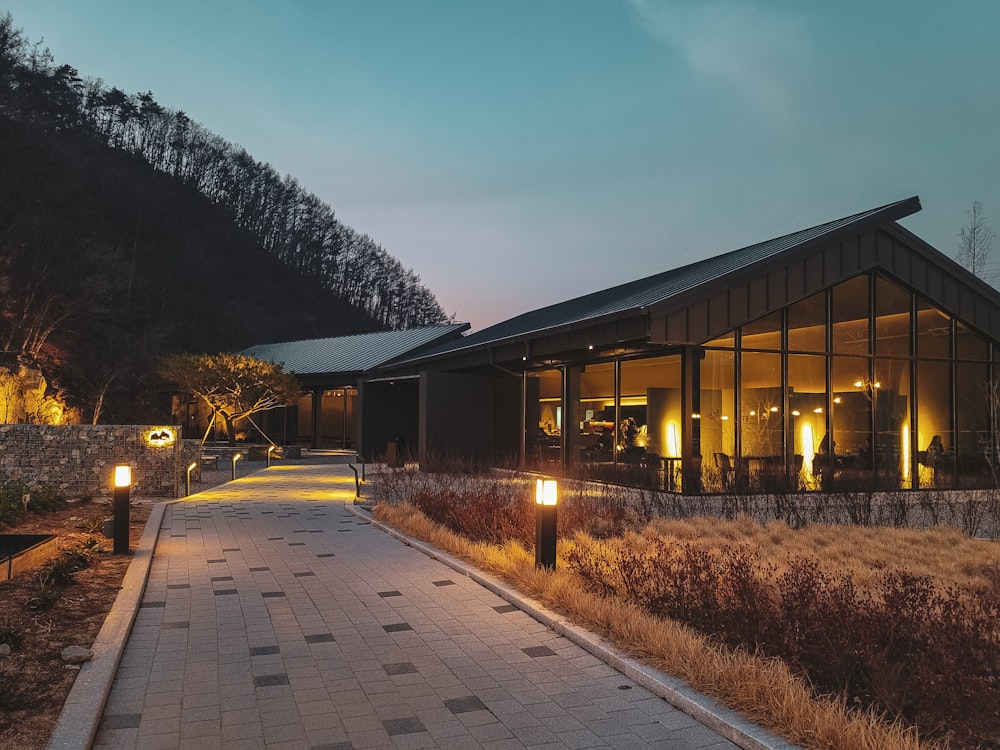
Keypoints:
pixel 975 244
pixel 234 386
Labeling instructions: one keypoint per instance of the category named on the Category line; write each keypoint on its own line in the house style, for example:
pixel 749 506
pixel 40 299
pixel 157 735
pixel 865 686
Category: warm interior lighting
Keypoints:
pixel 673 440
pixel 774 408
pixel 796 413
pixel 858 384
pixel 836 400
pixel 753 413
pixel 123 476
pixel 905 442
pixel 546 491
pixel 696 415
pixel 808 451
pixel 725 418
pixel 819 409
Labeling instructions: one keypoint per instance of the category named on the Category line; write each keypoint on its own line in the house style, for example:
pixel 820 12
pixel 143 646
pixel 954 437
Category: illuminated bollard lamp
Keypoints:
pixel 236 457
pixel 191 467
pixel 546 497
pixel 123 482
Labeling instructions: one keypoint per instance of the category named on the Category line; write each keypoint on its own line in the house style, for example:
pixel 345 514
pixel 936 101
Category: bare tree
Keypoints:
pixel 975 244
pixel 234 386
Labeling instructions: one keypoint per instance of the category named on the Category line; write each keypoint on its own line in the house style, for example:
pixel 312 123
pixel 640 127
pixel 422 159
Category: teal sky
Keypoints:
pixel 516 153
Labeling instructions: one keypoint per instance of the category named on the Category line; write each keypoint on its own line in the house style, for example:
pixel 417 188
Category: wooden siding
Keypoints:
pixel 728 303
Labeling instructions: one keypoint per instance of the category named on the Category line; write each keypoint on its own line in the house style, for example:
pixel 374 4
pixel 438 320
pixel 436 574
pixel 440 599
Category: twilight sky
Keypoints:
pixel 516 153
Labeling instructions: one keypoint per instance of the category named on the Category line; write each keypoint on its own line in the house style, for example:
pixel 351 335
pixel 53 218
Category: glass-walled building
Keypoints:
pixel 851 355
pixel 864 384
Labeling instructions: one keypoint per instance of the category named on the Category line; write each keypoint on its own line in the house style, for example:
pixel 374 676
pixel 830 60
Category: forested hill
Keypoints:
pixel 128 231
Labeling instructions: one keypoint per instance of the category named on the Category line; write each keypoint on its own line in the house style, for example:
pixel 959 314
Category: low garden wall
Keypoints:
pixel 78 460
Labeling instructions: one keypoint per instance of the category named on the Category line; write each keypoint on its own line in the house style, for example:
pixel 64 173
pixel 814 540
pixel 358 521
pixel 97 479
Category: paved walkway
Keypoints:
pixel 274 616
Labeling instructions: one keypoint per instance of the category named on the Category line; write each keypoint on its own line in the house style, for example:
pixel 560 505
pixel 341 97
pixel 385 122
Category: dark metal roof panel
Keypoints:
pixel 350 354
pixel 643 293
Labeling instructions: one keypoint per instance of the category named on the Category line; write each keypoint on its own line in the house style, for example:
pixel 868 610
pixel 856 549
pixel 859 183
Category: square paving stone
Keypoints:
pixel 443 583
pixel 398 627
pixel 505 608
pixel 465 705
pixel 327 554
pixel 320 638
pixel 224 592
pixel 385 594
pixel 536 651
pixel 259 569
pixel 403 667
pixel 121 721
pixel 150 605
pixel 304 574
pixel 270 680
pixel 396 727
pixel 263 650
pixel 222 578
pixel 272 594
pixel 179 586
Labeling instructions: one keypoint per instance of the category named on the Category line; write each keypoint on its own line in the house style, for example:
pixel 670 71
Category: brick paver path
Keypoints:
pixel 273 617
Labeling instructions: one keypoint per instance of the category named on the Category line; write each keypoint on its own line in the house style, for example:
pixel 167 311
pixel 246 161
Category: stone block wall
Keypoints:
pixel 79 460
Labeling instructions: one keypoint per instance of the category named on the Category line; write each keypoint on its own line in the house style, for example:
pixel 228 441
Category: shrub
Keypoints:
pixel 907 648
pixel 12 633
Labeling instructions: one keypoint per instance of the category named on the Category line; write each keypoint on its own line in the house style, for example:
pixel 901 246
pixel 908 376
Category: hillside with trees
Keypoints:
pixel 128 231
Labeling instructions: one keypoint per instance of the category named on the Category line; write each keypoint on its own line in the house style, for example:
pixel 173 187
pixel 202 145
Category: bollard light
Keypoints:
pixel 546 501
pixel 236 457
pixel 122 483
pixel 190 468
pixel 270 450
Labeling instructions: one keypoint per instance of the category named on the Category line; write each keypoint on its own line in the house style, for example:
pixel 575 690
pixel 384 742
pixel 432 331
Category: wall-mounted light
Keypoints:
pixel 696 415
pixel 236 457
pixel 773 409
pixel 546 504
pixel 796 413
pixel 120 506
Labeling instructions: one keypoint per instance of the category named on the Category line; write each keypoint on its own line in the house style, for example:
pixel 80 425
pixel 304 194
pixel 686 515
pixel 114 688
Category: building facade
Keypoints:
pixel 849 355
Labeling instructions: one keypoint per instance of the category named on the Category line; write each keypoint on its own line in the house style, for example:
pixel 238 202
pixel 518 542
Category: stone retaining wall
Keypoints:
pixel 79 460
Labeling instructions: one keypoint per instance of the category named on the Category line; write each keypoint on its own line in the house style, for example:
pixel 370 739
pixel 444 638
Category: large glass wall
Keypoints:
pixel 863 386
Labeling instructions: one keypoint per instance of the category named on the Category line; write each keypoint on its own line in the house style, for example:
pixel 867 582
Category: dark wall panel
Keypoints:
pixel 757 297
pixel 777 292
pixel 457 415
pixel 389 410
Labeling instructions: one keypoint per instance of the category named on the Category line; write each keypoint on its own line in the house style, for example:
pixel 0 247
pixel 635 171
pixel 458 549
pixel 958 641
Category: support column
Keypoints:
pixel 317 417
pixel 691 434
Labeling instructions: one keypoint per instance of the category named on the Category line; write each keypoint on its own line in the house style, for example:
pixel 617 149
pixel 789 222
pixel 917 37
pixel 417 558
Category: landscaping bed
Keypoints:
pixel 38 621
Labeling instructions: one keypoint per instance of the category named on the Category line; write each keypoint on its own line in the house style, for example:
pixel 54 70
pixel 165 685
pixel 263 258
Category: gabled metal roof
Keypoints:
pixel 353 354
pixel 637 296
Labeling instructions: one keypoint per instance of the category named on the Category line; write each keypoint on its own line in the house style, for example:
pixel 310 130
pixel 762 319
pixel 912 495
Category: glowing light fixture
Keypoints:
pixel 236 457
pixel 123 476
pixel 190 468
pixel 120 507
pixel 546 508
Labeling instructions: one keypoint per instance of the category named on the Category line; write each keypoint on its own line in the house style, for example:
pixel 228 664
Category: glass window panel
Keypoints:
pixel 592 403
pixel 890 394
pixel 970 345
pixel 807 324
pixel 933 422
pixel 718 423
pixel 761 415
pixel 972 437
pixel 847 453
pixel 850 316
pixel 933 331
pixel 651 398
pixel 543 417
pixel 892 319
pixel 764 333
pixel 807 404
